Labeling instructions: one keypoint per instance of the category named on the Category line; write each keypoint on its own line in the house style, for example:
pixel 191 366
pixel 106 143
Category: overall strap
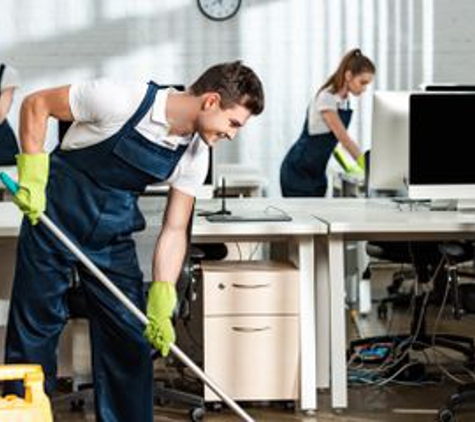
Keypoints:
pixel 2 69
pixel 145 105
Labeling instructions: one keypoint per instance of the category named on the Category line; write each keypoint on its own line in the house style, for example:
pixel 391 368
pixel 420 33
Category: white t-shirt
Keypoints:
pixel 324 101
pixel 101 107
pixel 10 78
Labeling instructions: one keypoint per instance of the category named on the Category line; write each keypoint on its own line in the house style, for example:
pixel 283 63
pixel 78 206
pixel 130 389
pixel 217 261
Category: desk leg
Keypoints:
pixel 323 313
pixel 308 388
pixel 337 322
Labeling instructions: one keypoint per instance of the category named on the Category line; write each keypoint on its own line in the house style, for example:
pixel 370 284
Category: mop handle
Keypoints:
pixel 12 186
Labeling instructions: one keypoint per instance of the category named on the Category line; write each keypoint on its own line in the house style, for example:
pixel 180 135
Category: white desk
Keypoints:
pixel 360 219
pixel 301 230
pixel 10 219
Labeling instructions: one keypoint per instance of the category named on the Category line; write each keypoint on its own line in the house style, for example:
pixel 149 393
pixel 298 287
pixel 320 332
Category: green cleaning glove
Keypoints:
pixel 160 305
pixel 341 159
pixel 33 170
pixel 356 170
pixel 361 161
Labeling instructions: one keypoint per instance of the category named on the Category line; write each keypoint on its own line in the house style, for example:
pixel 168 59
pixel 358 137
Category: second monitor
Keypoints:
pixel 390 143
pixel 442 145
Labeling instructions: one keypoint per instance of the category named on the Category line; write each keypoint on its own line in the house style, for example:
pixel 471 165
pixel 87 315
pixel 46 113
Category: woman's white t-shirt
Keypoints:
pixel 324 101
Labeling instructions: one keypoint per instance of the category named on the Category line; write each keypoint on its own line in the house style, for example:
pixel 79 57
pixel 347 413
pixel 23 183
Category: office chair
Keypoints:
pixel 425 256
pixel 463 302
pixel 418 338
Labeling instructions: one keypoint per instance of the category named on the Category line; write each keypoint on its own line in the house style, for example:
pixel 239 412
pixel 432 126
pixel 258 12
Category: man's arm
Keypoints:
pixel 171 245
pixel 34 113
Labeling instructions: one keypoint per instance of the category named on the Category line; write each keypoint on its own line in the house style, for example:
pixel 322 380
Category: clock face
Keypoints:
pixel 219 10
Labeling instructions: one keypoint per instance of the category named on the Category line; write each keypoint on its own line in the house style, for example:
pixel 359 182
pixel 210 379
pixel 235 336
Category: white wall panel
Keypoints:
pixel 292 44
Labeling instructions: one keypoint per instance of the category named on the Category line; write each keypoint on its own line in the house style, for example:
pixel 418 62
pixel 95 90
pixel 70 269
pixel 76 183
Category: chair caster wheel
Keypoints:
pixel 446 415
pixel 383 312
pixel 289 405
pixel 215 407
pixel 161 402
pixel 309 412
pixel 197 414
pixel 77 405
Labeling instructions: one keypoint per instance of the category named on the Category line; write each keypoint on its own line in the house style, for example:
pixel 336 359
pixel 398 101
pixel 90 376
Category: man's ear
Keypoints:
pixel 210 100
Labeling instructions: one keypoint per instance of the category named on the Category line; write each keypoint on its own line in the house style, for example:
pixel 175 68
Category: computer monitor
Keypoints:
pixel 441 153
pixel 390 142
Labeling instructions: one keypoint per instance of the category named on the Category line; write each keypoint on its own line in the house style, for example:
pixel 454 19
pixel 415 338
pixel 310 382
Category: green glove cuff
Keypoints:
pixel 342 160
pixel 361 161
pixel 161 301
pixel 33 168
pixel 33 171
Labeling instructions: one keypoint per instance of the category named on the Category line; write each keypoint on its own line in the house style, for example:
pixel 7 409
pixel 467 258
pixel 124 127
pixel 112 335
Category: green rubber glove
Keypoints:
pixel 33 170
pixel 160 305
pixel 351 169
pixel 355 171
pixel 341 159
pixel 361 161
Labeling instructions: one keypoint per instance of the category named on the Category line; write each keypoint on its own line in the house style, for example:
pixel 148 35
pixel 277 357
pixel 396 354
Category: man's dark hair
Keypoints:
pixel 235 82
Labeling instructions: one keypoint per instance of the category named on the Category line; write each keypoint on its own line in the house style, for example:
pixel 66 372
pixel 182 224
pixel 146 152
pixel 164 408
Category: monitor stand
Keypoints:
pixel 467 205
pixel 223 210
pixel 443 205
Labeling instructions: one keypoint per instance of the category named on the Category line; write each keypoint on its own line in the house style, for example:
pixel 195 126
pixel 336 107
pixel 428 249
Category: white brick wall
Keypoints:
pixel 292 44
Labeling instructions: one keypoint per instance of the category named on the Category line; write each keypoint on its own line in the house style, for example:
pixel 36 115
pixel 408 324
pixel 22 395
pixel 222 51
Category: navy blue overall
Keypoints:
pixel 303 171
pixel 92 195
pixel 8 142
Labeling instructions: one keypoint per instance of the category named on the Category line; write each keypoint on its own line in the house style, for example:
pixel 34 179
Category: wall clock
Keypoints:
pixel 219 10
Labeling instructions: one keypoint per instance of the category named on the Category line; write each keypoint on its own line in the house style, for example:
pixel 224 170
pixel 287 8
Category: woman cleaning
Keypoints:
pixel 303 171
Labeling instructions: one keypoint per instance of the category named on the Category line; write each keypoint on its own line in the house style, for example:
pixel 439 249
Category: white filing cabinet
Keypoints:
pixel 251 329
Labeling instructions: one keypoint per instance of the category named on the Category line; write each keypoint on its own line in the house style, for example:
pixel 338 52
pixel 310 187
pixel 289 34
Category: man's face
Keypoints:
pixel 214 123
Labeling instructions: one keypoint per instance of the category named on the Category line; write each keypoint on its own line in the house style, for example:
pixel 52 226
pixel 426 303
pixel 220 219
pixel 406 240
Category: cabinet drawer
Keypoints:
pixel 258 287
pixel 253 358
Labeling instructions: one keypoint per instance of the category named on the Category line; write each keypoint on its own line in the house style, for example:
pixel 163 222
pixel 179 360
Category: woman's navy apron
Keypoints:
pixel 8 141
pixel 303 171
pixel 92 195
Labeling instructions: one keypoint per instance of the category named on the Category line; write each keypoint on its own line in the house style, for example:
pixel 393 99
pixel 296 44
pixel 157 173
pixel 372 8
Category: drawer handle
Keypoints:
pixel 250 286
pixel 250 329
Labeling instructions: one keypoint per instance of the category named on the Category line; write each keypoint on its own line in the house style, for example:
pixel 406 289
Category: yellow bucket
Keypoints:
pixel 35 406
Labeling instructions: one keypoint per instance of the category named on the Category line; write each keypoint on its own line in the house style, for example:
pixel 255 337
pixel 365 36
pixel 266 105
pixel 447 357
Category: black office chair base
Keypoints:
pixel 78 399
pixel 164 395
pixel 465 394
